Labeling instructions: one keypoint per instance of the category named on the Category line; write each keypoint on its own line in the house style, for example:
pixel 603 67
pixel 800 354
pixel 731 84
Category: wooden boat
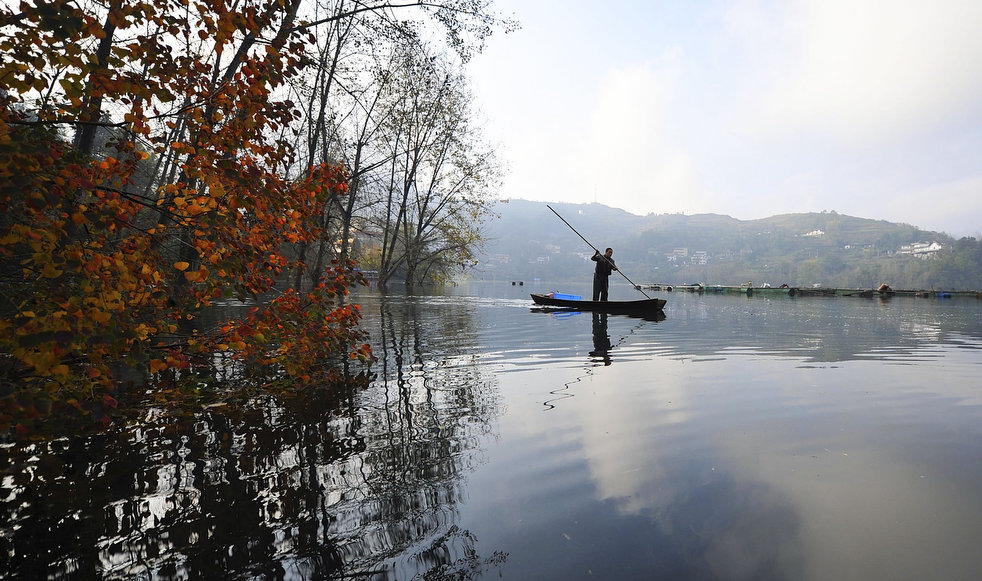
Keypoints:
pixel 613 307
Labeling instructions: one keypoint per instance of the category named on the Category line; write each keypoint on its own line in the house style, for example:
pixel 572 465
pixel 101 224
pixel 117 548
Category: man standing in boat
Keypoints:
pixel 605 265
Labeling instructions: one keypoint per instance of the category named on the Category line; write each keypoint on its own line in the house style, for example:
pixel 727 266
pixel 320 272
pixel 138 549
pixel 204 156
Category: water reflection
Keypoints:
pixel 237 492
pixel 601 340
pixel 816 329
pixel 736 438
pixel 752 439
pixel 329 484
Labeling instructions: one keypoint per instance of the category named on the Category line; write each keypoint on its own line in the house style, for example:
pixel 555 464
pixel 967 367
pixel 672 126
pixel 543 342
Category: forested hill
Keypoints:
pixel 528 241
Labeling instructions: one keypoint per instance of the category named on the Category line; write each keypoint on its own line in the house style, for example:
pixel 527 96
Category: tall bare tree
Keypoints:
pixel 352 97
pixel 440 178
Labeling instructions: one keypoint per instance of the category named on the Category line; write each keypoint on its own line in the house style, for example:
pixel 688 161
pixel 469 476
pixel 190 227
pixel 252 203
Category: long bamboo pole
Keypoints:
pixel 597 250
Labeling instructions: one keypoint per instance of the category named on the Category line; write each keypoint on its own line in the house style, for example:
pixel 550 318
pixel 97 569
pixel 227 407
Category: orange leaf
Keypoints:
pixel 181 265
pixel 100 316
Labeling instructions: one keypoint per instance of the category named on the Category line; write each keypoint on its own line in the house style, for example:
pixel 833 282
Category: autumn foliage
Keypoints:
pixel 145 173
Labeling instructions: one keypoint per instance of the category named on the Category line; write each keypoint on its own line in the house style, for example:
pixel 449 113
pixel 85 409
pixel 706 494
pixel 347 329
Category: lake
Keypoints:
pixel 736 437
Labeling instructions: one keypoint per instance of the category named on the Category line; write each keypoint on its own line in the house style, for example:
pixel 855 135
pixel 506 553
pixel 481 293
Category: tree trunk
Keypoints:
pixel 85 137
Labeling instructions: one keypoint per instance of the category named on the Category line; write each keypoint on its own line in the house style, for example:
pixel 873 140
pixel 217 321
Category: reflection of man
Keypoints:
pixel 601 340
pixel 605 264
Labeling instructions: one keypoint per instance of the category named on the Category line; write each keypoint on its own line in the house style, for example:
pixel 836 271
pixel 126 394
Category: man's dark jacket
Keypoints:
pixel 603 264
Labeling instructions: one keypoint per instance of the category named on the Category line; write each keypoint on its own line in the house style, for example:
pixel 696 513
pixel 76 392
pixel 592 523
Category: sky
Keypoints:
pixel 747 108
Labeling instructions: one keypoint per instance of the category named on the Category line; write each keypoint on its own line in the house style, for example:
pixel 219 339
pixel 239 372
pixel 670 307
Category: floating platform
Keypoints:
pixel 792 291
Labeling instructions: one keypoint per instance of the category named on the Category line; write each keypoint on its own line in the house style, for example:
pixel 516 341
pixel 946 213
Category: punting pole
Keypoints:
pixel 597 251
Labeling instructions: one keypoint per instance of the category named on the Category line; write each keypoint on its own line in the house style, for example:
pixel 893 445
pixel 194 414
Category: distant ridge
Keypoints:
pixel 530 210
pixel 827 248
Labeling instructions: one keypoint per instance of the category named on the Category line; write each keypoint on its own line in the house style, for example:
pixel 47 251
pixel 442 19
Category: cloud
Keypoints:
pixel 866 72
pixel 635 149
pixel 746 108
pixel 953 207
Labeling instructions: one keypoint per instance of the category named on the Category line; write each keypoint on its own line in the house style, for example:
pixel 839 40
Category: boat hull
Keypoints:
pixel 614 307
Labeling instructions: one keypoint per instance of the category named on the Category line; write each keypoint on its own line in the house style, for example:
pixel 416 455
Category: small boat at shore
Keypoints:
pixel 614 307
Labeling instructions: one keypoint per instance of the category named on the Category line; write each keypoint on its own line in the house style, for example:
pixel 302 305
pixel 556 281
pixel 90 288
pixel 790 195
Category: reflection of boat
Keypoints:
pixel 614 307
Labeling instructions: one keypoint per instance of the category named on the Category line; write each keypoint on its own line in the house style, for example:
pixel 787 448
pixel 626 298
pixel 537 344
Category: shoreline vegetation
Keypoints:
pixel 159 159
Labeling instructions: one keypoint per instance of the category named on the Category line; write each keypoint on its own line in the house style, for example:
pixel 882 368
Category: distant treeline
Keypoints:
pixel 827 248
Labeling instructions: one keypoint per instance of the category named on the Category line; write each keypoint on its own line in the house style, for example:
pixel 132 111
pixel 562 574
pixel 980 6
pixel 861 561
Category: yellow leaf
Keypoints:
pixel 49 271
pixel 181 265
pixel 141 331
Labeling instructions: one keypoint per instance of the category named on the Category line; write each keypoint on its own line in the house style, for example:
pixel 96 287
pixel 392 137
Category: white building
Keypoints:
pixel 699 257
pixel 921 249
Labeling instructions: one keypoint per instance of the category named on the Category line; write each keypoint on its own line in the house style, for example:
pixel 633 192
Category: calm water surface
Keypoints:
pixel 735 438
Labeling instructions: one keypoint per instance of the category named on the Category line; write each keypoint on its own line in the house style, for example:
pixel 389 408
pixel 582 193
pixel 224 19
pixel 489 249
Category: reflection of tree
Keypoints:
pixel 329 483
pixel 819 329
pixel 435 409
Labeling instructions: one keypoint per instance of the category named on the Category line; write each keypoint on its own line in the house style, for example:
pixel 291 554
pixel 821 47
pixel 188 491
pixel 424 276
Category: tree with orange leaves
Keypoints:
pixel 142 176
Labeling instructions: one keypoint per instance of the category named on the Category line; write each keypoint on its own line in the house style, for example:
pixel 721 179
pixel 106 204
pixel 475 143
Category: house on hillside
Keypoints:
pixel 921 249
pixel 677 254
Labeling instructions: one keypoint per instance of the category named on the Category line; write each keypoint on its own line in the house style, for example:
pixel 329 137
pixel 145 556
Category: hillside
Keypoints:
pixel 528 241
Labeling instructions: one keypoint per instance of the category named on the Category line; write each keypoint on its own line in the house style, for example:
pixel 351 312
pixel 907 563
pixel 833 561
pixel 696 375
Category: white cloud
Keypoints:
pixel 632 158
pixel 864 72
pixel 748 109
